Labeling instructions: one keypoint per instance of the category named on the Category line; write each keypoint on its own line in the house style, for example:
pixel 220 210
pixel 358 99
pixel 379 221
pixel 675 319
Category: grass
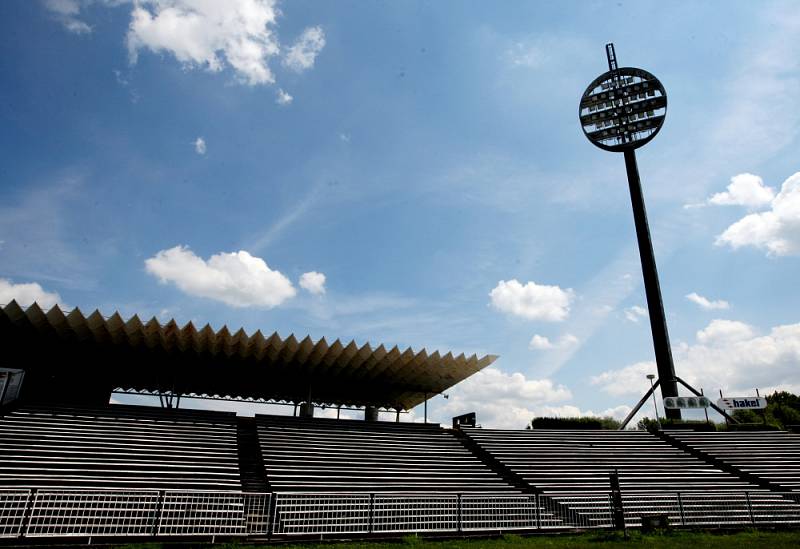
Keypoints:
pixel 605 540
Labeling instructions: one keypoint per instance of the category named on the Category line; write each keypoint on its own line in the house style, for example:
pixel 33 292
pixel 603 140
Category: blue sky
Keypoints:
pixel 196 160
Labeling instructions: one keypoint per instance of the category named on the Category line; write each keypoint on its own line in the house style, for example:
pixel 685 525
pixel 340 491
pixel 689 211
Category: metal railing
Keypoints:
pixel 502 513
pixel 322 513
pixel 572 510
pixel 129 513
pixel 92 513
pixel 714 508
pixel 13 506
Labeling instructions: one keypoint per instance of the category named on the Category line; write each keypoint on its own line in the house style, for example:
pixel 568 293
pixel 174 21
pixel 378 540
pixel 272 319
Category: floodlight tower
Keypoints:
pixel 620 111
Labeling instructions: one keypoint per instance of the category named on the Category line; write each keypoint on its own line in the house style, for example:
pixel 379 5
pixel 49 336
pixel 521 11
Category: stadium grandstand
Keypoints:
pixel 73 465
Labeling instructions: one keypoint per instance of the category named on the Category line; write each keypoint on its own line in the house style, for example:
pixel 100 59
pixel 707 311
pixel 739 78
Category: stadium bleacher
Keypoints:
pixel 773 456
pixel 314 455
pixel 89 468
pixel 581 460
pixel 118 447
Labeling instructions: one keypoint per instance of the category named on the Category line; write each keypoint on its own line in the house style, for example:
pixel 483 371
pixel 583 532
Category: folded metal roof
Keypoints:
pixel 152 357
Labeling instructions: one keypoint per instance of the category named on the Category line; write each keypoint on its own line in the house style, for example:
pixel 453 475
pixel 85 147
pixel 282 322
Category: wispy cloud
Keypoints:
pixel 67 12
pixel 200 146
pixel 635 313
pixel 542 343
pixel 283 98
pixel 37 235
pixel 262 241
pixel 707 304
pixel 303 53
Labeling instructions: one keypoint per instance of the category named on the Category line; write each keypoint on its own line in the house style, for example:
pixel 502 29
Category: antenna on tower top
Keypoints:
pixel 612 57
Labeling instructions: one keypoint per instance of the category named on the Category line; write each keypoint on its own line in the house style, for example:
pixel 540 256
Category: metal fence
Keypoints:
pixel 322 514
pixel 571 510
pixel 88 513
pixel 92 513
pixel 129 513
pixel 498 512
pixel 13 505
pixel 722 508
pixel 415 513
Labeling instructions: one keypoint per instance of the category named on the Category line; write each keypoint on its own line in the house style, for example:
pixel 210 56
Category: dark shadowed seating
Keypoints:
pixel 770 455
pixel 118 447
pixel 329 455
pixel 581 460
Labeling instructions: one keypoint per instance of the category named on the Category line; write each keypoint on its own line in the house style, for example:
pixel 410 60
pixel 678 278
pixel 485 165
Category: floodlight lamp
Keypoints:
pixel 617 96
pixel 651 376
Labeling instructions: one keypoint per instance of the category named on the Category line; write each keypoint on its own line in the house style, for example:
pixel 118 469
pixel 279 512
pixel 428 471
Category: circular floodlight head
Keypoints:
pixel 623 109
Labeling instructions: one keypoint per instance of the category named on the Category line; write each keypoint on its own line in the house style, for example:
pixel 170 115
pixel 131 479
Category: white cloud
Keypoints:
pixel 706 303
pixel 302 54
pixel 200 145
pixel 745 189
pixel 628 380
pixel 532 301
pixel 724 331
pixel 237 279
pixel 504 400
pixel 283 98
pixel 313 282
pixel 635 313
pixel 213 35
pixel 511 401
pixel 27 294
pixel 526 54
pixel 727 355
pixel 776 230
pixel 66 11
pixel 542 343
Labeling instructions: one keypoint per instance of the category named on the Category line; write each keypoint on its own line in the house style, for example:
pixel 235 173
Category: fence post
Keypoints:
pixel 615 501
pixel 459 513
pixel 270 514
pixel 750 507
pixel 537 511
pixel 159 512
pixel 680 506
pixel 25 526
pixel 371 511
pixel 273 522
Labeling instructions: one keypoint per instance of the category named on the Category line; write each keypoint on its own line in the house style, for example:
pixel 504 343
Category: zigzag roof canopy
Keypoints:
pixel 68 351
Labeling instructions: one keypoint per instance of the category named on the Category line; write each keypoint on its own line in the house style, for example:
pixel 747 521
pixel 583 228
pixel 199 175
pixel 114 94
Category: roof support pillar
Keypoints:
pixel 307 409
pixel 370 413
